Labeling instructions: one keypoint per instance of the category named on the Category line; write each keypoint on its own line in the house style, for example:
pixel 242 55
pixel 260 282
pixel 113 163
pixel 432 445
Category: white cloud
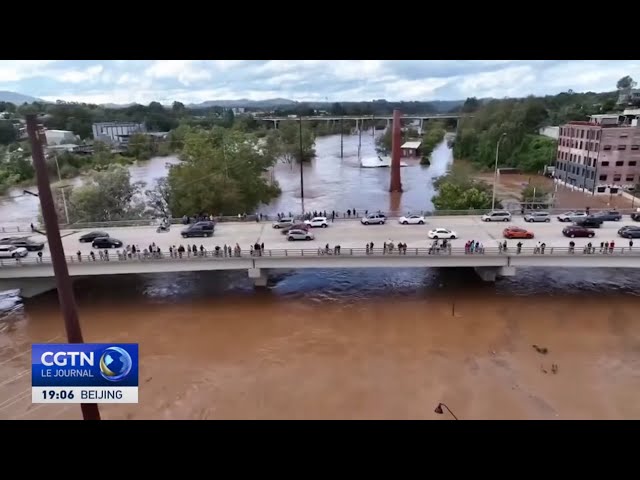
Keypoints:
pixel 193 81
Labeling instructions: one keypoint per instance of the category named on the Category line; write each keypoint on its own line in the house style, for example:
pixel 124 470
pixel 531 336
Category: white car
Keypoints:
pixel 438 233
pixel 571 216
pixel 412 220
pixel 9 251
pixel 317 222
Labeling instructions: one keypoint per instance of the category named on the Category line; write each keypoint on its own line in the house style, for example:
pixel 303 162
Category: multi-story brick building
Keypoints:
pixel 601 155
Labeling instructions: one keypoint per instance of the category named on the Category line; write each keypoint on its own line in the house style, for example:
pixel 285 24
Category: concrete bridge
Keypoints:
pixel 361 119
pixel 33 276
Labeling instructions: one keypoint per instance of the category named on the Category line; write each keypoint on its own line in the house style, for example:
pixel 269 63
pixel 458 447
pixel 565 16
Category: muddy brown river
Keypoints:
pixel 350 344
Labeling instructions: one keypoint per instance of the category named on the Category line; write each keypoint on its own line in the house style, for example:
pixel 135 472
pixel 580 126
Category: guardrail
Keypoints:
pixel 146 222
pixel 220 255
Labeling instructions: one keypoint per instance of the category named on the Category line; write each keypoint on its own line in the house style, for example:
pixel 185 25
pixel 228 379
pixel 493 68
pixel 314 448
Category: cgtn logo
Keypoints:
pixel 97 366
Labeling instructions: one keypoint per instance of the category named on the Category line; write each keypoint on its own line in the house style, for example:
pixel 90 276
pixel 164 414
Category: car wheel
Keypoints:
pixel 435 237
pixel 276 226
pixel 420 222
pixel 529 237
pixel 453 237
pixel 290 239
pixel 506 220
pixel 572 236
pixel 366 223
pixel 548 220
pixel 184 236
pixel 405 223
pixel 324 225
pixel 487 220
pixel 308 238
pixel 590 235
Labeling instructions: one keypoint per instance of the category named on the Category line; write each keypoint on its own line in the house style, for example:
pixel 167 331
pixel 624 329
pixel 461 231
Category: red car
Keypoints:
pixel 517 232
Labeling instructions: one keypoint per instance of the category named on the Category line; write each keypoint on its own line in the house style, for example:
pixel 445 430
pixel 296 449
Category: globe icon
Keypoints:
pixel 115 364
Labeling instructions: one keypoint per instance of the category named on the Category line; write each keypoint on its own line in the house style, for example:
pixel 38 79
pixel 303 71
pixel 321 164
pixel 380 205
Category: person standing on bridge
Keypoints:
pixel 630 244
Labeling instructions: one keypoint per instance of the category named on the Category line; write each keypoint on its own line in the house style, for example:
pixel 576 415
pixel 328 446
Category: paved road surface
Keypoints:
pixel 348 234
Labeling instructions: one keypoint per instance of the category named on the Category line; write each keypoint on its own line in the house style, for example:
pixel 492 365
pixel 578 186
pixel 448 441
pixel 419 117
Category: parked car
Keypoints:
pixel 412 220
pixel 576 231
pixel 317 222
pixel 199 229
pixel 571 216
pixel 537 217
pixel 25 242
pixel 517 232
pixel 497 216
pixel 589 222
pixel 294 226
pixel 106 242
pixel 609 216
pixel 377 218
pixel 91 236
pixel 299 235
pixel 438 233
pixel 11 251
pixel 283 222
pixel 629 232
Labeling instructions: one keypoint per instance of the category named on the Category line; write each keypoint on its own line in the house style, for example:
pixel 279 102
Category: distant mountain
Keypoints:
pixel 243 102
pixel 17 98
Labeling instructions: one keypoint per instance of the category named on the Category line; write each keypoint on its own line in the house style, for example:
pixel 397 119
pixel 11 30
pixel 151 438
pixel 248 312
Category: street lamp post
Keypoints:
pixel 301 169
pixel 439 410
pixel 495 172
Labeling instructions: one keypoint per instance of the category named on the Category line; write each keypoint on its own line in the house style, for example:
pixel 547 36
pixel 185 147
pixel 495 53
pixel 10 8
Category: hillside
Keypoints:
pixel 16 98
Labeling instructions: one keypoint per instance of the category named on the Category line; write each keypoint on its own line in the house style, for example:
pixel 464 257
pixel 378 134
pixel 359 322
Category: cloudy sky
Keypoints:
pixel 125 81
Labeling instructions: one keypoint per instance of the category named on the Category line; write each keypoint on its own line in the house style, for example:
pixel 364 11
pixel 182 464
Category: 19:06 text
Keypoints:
pixel 60 395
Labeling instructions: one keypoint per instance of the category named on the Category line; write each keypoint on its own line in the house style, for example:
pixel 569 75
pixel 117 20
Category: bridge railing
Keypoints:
pixel 322 253
pixel 270 217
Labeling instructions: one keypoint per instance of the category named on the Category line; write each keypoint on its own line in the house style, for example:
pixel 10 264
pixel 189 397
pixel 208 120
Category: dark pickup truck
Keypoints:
pixel 591 221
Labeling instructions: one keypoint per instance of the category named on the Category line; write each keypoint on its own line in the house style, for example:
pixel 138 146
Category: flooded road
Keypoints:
pixel 326 344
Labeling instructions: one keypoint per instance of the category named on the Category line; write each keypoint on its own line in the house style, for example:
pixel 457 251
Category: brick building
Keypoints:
pixel 601 155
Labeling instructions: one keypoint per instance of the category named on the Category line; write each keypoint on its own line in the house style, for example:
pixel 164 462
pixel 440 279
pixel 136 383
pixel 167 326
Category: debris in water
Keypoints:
pixel 542 350
pixel 542 368
pixel 554 368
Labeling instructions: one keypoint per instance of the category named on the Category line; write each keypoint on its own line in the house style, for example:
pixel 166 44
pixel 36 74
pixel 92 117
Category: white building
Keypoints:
pixel 116 132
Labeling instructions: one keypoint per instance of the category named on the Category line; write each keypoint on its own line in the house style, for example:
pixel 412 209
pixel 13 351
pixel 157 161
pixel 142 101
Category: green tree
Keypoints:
pixel 532 194
pixel 458 190
pixel 288 135
pixel 433 136
pixel 222 171
pixel 8 133
pixel 108 195
pixel 159 198
pixel 141 146
pixel 383 142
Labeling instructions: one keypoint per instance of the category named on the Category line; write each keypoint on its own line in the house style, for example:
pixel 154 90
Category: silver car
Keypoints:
pixel 568 217
pixel 497 216
pixel 283 222
pixel 295 234
pixel 537 217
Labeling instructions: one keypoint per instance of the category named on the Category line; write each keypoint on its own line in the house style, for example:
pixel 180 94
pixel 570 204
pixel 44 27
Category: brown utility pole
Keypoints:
pixel 63 281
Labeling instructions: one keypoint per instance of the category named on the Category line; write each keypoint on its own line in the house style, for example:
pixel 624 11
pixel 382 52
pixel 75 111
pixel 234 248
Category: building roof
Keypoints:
pixel 413 145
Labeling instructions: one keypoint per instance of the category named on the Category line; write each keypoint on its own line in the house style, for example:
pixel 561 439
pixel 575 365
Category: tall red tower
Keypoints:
pixel 396 139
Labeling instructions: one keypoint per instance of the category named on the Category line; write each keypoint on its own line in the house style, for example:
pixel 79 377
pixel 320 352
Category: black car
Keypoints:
pixel 609 216
pixel 106 242
pixel 91 236
pixel 30 245
pixel 629 232
pixel 199 229
pixel 635 216
pixel 589 222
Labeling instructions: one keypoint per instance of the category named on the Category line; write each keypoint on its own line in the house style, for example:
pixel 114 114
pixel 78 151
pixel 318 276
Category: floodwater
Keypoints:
pixel 325 344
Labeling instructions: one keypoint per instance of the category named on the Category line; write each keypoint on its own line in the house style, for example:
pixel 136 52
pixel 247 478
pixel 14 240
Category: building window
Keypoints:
pixel 607 147
pixel 622 147
pixel 604 164
pixel 630 178
pixel 581 133
pixel 616 177
pixel 619 163
pixel 580 144
pixel 598 135
pixel 623 135
pixel 632 163
pixel 603 178
pixel 635 147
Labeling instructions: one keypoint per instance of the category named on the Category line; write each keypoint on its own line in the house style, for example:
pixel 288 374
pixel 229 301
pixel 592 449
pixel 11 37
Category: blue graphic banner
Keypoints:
pixel 84 365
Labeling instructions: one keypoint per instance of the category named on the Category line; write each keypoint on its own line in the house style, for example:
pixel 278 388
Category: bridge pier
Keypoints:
pixel 260 276
pixel 490 274
pixel 29 287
